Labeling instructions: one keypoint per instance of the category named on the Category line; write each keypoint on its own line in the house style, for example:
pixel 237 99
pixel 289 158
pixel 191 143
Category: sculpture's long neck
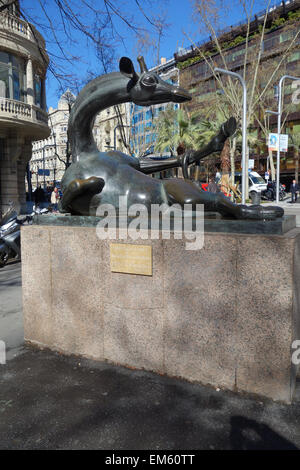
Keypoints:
pixel 101 93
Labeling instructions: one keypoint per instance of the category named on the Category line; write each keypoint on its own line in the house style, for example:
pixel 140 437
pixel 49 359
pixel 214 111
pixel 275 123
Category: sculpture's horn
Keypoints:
pixel 143 66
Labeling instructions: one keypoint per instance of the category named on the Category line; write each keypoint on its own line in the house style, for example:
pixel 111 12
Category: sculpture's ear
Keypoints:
pixel 127 68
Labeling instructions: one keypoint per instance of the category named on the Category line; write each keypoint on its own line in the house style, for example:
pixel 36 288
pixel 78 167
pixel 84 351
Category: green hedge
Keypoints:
pixel 292 16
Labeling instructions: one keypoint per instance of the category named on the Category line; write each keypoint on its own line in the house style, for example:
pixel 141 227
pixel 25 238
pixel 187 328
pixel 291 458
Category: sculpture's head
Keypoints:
pixel 148 88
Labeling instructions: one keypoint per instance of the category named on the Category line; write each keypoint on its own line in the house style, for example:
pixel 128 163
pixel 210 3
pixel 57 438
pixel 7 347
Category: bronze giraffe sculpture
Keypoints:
pixel 96 178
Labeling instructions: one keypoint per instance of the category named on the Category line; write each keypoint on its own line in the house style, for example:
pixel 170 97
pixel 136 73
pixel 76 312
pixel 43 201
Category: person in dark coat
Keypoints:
pixel 271 186
pixel 212 186
pixel 38 195
pixel 294 190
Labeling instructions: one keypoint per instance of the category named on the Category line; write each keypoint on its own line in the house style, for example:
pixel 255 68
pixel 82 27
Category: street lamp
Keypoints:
pixel 115 136
pixel 55 166
pixel 28 174
pixel 279 113
pixel 244 128
pixel 45 146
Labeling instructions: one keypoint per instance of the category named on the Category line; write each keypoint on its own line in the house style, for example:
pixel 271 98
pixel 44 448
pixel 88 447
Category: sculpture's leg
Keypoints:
pixel 78 187
pixel 186 192
pixel 216 144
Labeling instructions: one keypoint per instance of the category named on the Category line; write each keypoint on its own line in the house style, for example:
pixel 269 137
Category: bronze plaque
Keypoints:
pixel 131 259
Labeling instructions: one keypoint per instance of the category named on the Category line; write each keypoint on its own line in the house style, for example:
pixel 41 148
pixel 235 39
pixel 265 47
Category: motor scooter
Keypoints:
pixel 10 236
pixel 270 193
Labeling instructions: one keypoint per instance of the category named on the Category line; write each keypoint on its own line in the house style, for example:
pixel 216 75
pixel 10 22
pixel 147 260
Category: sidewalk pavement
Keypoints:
pixel 51 401
pixel 11 320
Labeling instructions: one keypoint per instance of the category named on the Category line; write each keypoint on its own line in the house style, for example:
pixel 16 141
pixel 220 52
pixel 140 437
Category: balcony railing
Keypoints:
pixel 12 109
pixel 20 27
pixel 40 114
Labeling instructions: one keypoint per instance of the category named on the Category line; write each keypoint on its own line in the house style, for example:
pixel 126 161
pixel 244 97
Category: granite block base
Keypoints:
pixel 225 315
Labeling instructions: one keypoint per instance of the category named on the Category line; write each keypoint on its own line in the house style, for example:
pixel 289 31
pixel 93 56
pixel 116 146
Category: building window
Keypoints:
pixel 270 43
pixel 148 114
pixel 12 76
pixel 286 36
pixel 294 57
pixel 2 146
pixel 38 91
pixel 13 8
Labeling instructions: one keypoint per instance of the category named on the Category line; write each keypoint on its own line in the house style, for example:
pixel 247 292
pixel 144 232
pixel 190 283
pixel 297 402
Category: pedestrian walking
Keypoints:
pixel 294 190
pixel 212 186
pixel 38 195
pixel 55 198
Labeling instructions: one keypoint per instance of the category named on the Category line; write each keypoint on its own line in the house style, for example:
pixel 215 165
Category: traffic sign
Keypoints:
pixel 284 142
pixel 42 172
pixel 273 142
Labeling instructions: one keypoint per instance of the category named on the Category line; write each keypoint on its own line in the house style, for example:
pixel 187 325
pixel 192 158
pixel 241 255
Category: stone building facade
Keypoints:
pixel 23 116
pixel 111 129
pixel 143 131
pixel 51 154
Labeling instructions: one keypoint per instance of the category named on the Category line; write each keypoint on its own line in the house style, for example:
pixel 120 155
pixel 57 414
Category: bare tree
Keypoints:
pixel 66 23
pixel 95 23
pixel 251 67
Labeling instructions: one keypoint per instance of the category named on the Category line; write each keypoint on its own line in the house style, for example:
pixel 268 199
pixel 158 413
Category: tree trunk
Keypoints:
pixel 297 165
pixel 272 165
pixel 247 178
pixel 197 172
pixel 225 157
pixel 225 165
pixel 232 162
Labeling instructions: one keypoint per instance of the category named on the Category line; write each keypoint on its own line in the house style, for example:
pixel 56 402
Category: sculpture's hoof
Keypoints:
pixel 60 208
pixel 260 212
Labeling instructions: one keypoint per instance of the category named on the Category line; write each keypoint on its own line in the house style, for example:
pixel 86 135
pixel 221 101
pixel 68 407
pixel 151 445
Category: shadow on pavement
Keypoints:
pixel 51 401
pixel 248 434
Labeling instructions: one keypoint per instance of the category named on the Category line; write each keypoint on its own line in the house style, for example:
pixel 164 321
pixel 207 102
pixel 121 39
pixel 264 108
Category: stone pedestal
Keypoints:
pixel 225 315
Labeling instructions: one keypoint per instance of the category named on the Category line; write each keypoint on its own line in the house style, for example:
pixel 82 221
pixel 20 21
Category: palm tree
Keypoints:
pixel 219 112
pixel 209 128
pixel 174 128
pixel 179 127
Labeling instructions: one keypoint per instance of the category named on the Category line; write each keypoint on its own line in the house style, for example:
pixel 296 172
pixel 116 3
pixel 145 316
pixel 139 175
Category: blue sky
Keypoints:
pixel 179 17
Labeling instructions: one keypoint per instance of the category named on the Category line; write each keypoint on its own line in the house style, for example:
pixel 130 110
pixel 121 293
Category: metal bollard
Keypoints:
pixel 256 198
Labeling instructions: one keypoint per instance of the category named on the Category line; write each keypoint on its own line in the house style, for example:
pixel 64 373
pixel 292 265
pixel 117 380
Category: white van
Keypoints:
pixel 256 182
